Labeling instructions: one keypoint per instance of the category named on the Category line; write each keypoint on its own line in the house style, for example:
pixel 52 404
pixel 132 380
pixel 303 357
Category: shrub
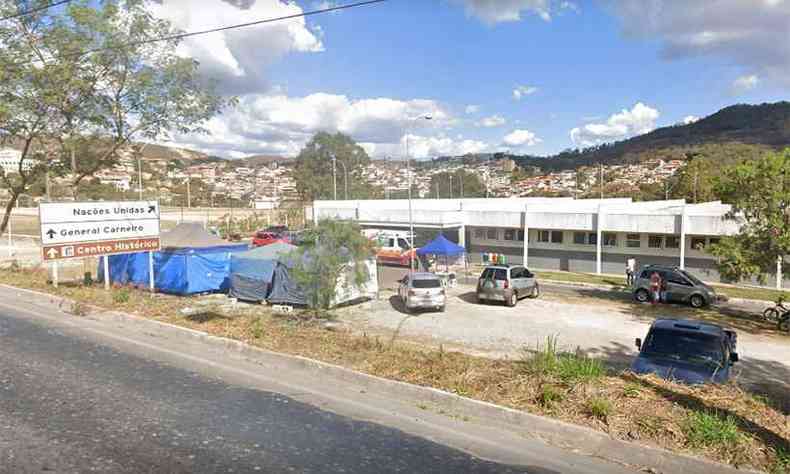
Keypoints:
pixel 120 296
pixel 600 408
pixel 632 390
pixel 708 429
pixel 781 464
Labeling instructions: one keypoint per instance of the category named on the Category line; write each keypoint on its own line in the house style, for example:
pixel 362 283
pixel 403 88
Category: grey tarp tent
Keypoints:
pixel 251 272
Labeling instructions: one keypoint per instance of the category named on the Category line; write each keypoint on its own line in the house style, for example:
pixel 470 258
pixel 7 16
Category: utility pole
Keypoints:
pixel 189 196
pixel 461 180
pixel 334 176
pixel 451 186
pixel 696 181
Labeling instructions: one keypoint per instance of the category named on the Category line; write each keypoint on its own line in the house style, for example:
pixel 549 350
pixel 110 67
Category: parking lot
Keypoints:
pixel 599 323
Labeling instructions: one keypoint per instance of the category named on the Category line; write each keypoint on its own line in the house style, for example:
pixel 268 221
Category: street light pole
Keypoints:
pixel 334 175
pixel 408 174
pixel 345 179
pixel 140 170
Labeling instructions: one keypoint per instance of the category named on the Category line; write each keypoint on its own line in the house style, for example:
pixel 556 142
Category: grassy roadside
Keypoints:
pixel 720 423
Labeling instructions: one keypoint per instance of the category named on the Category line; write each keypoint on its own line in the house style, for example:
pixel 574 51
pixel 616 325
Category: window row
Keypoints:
pixel 591 238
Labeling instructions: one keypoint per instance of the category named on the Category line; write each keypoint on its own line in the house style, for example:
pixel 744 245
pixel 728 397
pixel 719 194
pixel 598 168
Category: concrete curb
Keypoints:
pixel 580 439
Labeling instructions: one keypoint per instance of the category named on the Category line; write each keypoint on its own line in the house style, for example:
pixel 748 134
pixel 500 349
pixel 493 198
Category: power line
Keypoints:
pixel 223 28
pixel 35 10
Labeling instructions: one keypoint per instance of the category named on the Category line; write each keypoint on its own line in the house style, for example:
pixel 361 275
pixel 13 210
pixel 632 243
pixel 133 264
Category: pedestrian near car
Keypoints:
pixel 630 271
pixel 655 287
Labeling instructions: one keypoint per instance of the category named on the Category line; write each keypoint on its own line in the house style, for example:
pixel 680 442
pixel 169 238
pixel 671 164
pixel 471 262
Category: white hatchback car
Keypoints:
pixel 422 290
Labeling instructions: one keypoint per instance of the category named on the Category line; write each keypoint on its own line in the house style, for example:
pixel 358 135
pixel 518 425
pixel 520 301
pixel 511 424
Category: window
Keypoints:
pixel 402 243
pixel 480 233
pixel 510 234
pixel 556 236
pixel 516 272
pixel 592 238
pixel 521 235
pixel 655 241
pixel 610 240
pixel 426 283
pixel 677 279
pixel 698 243
pixel 633 241
pixel 713 241
pixel 579 238
pixel 543 236
pixel 494 274
pixel 492 233
pixel 672 242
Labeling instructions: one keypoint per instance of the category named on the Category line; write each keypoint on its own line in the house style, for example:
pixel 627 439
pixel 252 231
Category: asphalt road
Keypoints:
pixel 71 402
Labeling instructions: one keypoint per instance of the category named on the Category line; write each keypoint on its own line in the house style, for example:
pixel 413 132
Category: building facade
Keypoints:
pixel 591 235
pixel 9 160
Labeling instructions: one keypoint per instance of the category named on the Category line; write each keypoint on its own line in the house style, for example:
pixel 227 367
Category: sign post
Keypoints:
pixel 151 271
pixel 98 229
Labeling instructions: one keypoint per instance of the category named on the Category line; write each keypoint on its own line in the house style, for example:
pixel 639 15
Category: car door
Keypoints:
pixel 679 289
pixel 517 278
pixel 529 280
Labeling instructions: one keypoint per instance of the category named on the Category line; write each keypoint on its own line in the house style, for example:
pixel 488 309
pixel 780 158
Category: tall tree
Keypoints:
pixel 759 192
pixel 79 83
pixel 451 184
pixel 313 168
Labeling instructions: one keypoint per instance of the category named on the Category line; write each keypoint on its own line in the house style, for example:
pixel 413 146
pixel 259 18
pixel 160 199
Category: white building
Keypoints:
pixel 595 236
pixel 10 158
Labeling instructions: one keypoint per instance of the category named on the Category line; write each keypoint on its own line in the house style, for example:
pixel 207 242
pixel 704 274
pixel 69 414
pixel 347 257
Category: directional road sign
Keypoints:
pixel 86 229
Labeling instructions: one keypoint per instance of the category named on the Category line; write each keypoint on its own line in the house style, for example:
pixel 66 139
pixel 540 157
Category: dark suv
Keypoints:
pixel 680 286
pixel 687 351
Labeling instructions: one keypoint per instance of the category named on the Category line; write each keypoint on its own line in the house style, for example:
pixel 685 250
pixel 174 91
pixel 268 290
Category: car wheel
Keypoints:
pixel 642 296
pixel 535 291
pixel 784 324
pixel 442 308
pixel 512 300
pixel 697 301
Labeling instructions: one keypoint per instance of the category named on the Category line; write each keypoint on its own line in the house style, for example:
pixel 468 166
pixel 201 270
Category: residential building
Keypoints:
pixel 10 158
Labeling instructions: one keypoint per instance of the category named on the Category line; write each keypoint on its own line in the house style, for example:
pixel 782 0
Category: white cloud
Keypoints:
pixel 279 124
pixel 689 119
pixel 238 59
pixel 421 147
pixel 750 33
pixel 492 121
pixel 497 11
pixel 472 109
pixel 570 6
pixel 744 84
pixel 640 119
pixel 521 138
pixel 522 91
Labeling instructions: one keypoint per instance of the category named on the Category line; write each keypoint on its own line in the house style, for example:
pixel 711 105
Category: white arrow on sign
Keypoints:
pixel 52 253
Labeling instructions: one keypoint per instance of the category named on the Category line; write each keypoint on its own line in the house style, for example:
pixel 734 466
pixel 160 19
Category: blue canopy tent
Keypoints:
pixel 440 246
pixel 191 261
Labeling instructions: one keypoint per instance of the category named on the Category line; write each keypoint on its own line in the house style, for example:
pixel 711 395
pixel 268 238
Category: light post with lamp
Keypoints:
pixel 408 174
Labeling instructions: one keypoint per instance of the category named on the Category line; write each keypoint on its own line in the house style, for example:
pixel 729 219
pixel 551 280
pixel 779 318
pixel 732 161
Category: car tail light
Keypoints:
pixel 507 284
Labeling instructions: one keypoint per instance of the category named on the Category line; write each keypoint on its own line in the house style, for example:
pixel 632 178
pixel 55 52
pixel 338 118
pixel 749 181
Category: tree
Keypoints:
pixel 78 84
pixel 759 192
pixel 443 183
pixel 313 168
pixel 330 249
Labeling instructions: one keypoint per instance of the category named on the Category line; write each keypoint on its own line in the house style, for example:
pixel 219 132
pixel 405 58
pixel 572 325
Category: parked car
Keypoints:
pixel 263 237
pixel 681 286
pixel 276 229
pixel 507 283
pixel 687 351
pixel 422 290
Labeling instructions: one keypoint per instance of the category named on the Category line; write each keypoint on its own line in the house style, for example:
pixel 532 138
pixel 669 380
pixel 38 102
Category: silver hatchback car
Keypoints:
pixel 422 290
pixel 507 283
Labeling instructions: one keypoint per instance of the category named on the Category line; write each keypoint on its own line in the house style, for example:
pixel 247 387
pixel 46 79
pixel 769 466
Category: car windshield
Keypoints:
pixel 494 274
pixel 427 283
pixel 685 346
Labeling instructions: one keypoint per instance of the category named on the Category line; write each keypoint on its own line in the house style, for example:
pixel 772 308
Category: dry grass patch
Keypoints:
pixel 722 423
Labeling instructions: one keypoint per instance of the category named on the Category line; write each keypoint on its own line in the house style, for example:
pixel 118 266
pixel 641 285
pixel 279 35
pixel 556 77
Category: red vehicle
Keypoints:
pixel 263 237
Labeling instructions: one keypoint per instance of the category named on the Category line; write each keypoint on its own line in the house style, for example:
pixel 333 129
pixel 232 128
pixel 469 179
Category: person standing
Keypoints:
pixel 630 271
pixel 655 287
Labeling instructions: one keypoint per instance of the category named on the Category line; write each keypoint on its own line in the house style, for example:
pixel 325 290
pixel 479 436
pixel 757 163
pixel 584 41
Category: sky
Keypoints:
pixel 523 76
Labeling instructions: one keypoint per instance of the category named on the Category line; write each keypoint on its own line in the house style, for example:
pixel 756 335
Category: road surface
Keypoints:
pixel 88 395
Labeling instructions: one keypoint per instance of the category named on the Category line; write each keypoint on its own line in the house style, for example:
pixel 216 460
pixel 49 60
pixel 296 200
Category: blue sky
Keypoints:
pixel 366 71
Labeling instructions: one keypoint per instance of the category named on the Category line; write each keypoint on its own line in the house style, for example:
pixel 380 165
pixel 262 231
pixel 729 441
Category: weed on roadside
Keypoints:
pixel 549 395
pixel 568 367
pixel 632 390
pixel 121 296
pixel 257 327
pixel 706 429
pixel 79 309
pixel 781 463
pixel 600 408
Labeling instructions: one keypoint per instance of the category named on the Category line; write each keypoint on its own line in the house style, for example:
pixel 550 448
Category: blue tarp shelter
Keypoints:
pixel 191 261
pixel 252 272
pixel 441 246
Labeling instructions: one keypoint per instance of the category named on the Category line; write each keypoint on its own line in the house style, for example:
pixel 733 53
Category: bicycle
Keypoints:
pixel 775 313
